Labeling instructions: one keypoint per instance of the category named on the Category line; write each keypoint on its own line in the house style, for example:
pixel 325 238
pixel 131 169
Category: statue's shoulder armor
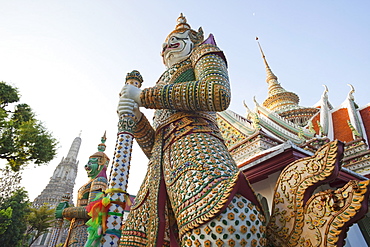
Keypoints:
pixel 99 183
pixel 204 49
pixel 101 179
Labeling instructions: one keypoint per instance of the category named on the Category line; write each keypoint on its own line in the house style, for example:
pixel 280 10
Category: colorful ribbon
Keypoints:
pixel 98 211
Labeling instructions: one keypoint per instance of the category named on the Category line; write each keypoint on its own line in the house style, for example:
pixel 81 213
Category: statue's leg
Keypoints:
pixel 240 224
pixel 147 222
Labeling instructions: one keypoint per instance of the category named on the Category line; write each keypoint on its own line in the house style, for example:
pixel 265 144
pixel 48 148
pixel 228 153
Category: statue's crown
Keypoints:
pixel 102 146
pixel 100 154
pixel 182 26
pixel 134 75
pixel 181 23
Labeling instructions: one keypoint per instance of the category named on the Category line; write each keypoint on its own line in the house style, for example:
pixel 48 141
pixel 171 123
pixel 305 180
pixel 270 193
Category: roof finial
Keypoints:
pixel 325 93
pixel 350 94
pixel 326 89
pixel 248 111
pixel 270 75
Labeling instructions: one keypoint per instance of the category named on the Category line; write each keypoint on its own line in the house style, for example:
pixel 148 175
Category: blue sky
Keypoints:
pixel 69 58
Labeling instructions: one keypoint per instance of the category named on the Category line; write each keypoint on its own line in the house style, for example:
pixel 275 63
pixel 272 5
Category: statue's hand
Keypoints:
pixel 59 210
pixel 137 111
pixel 128 106
pixel 131 92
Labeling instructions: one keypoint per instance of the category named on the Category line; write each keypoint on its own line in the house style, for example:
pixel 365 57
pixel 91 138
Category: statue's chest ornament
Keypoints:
pixel 170 75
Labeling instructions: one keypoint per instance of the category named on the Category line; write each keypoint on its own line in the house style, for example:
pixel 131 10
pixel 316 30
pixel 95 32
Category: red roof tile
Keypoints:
pixel 342 131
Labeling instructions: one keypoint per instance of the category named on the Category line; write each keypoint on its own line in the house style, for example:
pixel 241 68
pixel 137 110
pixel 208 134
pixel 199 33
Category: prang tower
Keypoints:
pixel 63 179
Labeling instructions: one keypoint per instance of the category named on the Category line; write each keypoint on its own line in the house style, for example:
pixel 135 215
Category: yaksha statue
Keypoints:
pixel 193 193
pixel 96 170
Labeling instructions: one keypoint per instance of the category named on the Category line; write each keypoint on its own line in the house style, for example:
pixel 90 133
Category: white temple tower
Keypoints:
pixel 63 179
pixel 61 184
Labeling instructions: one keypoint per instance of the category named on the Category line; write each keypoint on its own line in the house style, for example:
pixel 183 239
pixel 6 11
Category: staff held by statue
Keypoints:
pixel 118 179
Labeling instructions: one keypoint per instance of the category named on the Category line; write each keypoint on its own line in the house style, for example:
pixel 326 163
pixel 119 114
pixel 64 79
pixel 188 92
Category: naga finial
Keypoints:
pixel 325 93
pixel 350 94
pixel 326 90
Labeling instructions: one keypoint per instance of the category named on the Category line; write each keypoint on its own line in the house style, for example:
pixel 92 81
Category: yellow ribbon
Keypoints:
pixel 118 190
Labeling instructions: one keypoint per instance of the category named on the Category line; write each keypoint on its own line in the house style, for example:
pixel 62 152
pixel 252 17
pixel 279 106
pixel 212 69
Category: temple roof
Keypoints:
pixel 234 128
pixel 280 119
pixel 346 122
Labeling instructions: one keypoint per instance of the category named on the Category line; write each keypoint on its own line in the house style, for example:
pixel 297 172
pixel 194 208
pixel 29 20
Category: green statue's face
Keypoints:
pixel 177 48
pixel 92 167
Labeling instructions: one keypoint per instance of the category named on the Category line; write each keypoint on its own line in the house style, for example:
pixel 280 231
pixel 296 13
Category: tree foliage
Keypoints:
pixel 5 219
pixel 19 203
pixel 9 182
pixel 23 138
pixel 39 220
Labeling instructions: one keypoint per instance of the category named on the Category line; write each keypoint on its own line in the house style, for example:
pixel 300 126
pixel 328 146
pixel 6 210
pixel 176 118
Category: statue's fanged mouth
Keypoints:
pixel 174 45
pixel 171 46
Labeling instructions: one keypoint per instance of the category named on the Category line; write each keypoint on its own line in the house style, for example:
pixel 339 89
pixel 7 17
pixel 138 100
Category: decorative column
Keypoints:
pixel 118 179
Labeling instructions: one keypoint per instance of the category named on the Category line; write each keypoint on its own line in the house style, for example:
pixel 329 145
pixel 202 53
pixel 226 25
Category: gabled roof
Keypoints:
pixel 234 128
pixel 281 127
pixel 346 122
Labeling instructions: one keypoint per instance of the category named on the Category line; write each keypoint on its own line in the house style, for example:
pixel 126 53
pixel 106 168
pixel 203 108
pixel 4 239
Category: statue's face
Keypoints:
pixel 92 167
pixel 177 48
pixel 134 82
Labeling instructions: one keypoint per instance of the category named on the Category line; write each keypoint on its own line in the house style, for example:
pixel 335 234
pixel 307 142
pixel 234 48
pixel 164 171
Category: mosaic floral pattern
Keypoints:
pixel 241 224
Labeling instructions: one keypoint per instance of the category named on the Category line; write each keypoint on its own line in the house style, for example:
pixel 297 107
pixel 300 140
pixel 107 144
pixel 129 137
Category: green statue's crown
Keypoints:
pixel 101 146
pixel 134 75
pixel 100 154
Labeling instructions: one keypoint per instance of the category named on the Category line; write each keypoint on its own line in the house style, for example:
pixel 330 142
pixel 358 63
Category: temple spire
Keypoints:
pixel 283 102
pixel 73 151
pixel 270 74
pixel 278 97
pixel 63 179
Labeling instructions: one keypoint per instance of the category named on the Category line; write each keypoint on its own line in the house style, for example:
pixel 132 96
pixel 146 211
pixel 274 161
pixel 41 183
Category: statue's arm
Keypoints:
pixel 75 212
pixel 64 211
pixel 144 135
pixel 209 92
